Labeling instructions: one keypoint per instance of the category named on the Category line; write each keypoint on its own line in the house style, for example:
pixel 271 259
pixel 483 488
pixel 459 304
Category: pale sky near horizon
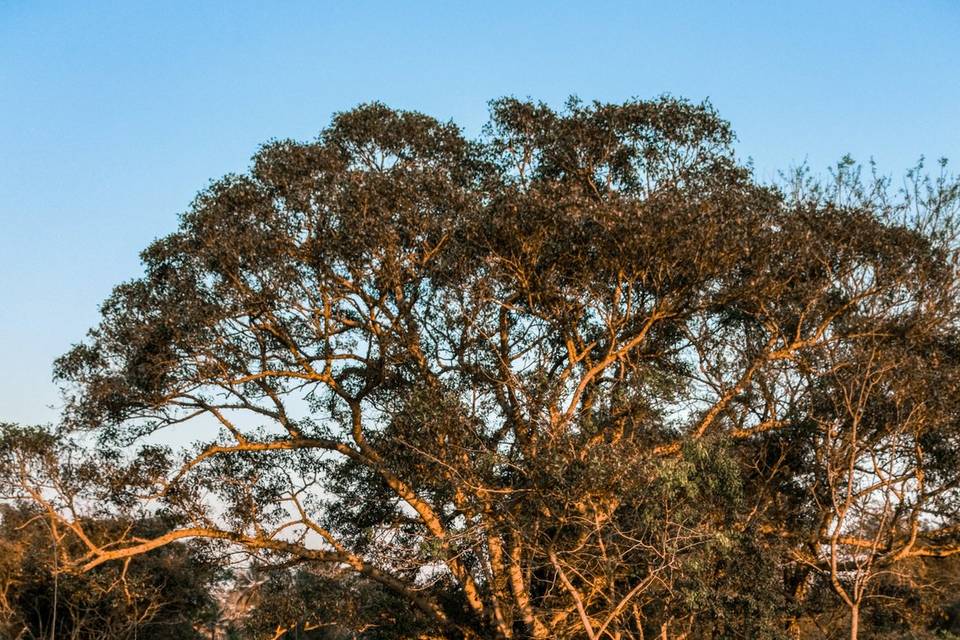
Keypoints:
pixel 113 115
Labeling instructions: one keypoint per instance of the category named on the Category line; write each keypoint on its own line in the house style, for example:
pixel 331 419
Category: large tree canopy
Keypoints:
pixel 582 377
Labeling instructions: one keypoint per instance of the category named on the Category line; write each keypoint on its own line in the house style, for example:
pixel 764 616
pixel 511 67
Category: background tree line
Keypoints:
pixel 581 377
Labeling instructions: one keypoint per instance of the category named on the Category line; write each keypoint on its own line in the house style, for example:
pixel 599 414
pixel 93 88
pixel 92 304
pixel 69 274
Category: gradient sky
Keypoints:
pixel 113 115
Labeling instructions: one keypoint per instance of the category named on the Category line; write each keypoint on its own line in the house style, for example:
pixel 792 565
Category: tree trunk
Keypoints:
pixel 854 621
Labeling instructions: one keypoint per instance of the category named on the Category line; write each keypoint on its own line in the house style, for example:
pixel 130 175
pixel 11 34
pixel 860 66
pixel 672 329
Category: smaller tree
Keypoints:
pixel 159 596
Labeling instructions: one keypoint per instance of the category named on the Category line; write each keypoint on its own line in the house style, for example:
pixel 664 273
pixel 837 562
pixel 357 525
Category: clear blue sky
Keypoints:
pixel 112 115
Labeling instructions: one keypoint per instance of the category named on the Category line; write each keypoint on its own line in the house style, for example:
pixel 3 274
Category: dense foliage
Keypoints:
pixel 582 377
pixel 159 596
